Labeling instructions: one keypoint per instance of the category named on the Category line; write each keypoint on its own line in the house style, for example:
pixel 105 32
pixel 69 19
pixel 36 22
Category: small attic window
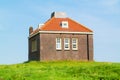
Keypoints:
pixel 64 24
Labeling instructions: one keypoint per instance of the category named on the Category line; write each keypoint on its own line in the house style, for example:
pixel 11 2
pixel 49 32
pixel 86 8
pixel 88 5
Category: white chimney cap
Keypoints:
pixel 40 25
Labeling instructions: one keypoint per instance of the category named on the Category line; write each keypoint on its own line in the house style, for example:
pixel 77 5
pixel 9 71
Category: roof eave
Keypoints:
pixel 59 32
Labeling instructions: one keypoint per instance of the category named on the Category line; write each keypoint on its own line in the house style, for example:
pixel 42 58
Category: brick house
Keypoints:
pixel 60 38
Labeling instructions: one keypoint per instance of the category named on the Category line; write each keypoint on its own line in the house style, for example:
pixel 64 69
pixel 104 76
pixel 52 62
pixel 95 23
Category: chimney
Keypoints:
pixel 30 29
pixel 58 15
pixel 40 25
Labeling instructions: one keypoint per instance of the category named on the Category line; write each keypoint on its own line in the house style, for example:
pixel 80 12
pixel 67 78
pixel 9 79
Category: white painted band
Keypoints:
pixel 58 32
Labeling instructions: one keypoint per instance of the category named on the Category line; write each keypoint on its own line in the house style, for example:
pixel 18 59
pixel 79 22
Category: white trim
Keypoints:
pixel 76 44
pixel 65 32
pixel 57 32
pixel 64 24
pixel 60 44
pixel 31 35
pixel 68 44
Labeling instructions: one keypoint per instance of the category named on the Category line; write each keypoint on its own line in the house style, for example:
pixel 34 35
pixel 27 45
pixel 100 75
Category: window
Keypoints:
pixel 58 44
pixel 66 43
pixel 74 44
pixel 34 45
pixel 64 24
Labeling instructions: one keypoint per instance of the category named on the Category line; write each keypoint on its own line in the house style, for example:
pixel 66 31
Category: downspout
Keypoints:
pixel 39 48
pixel 88 47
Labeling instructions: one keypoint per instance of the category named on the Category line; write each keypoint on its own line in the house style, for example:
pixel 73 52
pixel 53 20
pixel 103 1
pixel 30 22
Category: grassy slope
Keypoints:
pixel 67 70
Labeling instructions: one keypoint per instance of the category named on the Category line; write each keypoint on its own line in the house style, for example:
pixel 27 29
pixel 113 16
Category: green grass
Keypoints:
pixel 61 70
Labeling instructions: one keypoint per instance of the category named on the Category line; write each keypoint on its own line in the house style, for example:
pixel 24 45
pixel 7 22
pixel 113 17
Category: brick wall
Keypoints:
pixel 48 47
pixel 36 54
pixel 91 50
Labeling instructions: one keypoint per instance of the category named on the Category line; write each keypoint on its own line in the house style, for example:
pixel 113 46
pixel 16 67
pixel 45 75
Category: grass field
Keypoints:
pixel 61 70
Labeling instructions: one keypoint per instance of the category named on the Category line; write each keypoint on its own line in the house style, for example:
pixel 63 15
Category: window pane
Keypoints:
pixel 74 43
pixel 58 40
pixel 66 43
pixel 65 24
pixel 66 40
pixel 66 46
pixel 34 45
pixel 58 43
pixel 58 46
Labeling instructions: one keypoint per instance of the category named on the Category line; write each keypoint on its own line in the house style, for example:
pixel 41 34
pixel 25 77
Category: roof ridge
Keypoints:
pixel 80 24
pixel 48 21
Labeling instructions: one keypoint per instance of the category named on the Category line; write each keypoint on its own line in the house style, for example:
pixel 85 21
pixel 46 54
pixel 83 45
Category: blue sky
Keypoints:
pixel 102 16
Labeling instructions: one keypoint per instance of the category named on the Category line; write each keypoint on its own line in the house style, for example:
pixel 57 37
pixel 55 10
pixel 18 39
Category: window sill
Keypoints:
pixel 75 49
pixel 58 49
pixel 66 49
pixel 34 51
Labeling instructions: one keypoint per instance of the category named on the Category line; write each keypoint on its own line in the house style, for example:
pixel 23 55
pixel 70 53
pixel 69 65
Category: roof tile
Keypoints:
pixel 53 24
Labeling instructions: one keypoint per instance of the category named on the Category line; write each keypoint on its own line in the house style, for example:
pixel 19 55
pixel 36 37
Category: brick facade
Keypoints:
pixel 46 47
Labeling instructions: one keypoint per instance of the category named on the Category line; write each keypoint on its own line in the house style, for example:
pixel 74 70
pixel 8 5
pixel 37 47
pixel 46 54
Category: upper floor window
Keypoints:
pixel 58 44
pixel 34 45
pixel 64 24
pixel 66 43
pixel 74 44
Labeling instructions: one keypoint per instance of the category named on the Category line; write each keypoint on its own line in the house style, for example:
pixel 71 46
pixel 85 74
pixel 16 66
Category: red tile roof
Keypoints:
pixel 53 24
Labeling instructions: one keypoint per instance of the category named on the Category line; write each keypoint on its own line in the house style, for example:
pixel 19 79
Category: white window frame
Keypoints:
pixel 67 43
pixel 34 45
pixel 58 44
pixel 75 43
pixel 64 24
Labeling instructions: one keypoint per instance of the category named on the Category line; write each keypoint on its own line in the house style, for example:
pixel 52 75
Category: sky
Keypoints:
pixel 16 16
